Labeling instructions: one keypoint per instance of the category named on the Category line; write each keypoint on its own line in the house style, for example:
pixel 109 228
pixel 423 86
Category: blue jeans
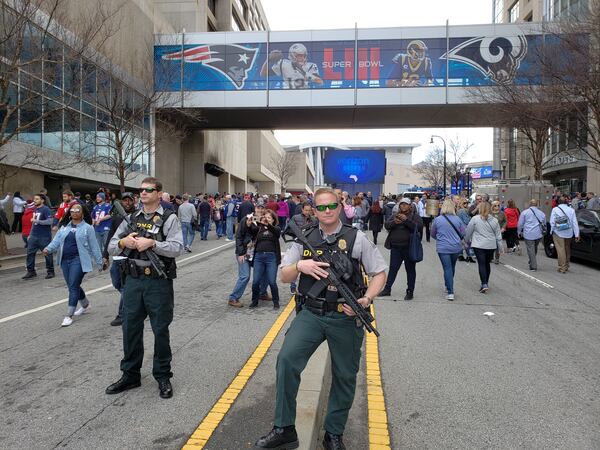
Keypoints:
pixel 188 234
pixel 71 269
pixel 265 264
pixel 204 227
pixel 449 264
pixel 101 238
pixel 242 282
pixel 219 228
pixel 115 277
pixel 35 243
pixel 230 222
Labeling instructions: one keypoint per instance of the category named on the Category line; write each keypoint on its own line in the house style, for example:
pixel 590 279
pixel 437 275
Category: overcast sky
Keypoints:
pixel 327 14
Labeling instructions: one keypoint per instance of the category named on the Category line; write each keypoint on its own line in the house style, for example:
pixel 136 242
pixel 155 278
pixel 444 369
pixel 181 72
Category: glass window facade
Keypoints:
pixel 513 13
pixel 64 101
pixel 498 11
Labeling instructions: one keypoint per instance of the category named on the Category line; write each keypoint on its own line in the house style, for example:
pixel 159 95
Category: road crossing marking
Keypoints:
pixel 211 421
pixel 526 275
pixel 379 436
pixel 93 291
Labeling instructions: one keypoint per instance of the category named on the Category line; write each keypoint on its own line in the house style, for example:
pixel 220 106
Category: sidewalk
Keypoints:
pixel 17 253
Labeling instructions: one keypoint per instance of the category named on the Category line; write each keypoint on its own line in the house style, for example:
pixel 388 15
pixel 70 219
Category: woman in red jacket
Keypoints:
pixel 512 214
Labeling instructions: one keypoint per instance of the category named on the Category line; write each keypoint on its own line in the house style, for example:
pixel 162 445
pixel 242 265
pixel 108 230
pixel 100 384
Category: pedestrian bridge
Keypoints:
pixel 382 77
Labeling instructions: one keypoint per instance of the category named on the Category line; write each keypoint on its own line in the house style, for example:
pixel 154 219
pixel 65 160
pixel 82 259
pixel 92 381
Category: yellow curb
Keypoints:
pixel 211 421
pixel 379 437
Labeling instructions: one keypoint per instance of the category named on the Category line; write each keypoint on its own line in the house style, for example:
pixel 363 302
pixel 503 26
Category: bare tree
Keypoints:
pixel 41 46
pixel 574 78
pixel 455 159
pixel 431 168
pixel 124 143
pixel 283 165
pixel 38 39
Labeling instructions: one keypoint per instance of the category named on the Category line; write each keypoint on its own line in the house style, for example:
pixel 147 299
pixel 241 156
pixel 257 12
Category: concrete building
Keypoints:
pixel 200 161
pixel 565 172
pixel 399 173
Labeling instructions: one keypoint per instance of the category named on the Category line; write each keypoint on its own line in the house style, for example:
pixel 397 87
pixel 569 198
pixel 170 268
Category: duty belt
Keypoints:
pixel 319 306
pixel 130 268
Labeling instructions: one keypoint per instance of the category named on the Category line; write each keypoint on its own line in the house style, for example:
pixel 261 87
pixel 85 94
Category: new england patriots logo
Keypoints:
pixel 232 61
pixel 498 58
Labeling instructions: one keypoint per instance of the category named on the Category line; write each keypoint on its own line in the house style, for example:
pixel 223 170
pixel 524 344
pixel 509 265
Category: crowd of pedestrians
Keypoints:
pixel 463 231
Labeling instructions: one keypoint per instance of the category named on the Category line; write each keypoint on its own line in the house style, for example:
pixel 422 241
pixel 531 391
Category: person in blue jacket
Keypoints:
pixel 448 230
pixel 76 249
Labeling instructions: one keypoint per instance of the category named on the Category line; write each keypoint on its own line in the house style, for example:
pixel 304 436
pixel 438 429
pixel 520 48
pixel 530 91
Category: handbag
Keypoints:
pixel 415 247
pixel 542 225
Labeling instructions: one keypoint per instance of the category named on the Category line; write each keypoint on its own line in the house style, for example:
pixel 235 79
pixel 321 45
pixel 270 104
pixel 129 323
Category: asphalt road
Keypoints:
pixel 527 377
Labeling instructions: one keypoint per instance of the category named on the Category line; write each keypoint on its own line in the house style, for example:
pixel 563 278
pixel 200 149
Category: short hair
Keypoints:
pixel 305 204
pixel 185 197
pixel 533 202
pixel 448 207
pixel 325 190
pixel 42 196
pixel 511 203
pixel 69 193
pixel 151 180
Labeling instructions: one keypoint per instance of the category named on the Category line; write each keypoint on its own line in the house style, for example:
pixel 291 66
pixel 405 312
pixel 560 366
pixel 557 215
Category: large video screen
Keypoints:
pixel 354 166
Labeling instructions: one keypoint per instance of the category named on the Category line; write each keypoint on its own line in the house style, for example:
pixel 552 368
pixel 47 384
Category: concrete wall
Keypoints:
pixel 168 161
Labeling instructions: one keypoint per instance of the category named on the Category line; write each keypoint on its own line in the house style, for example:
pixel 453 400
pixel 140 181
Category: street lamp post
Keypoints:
pixel 504 163
pixel 468 171
pixel 431 142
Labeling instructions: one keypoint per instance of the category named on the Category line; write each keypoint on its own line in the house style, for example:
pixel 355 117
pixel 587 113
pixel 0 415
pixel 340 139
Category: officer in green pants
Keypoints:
pixel 146 292
pixel 325 318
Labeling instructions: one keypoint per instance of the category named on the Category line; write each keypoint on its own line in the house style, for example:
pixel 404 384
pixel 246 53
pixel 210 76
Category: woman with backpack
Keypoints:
pixel 448 230
pixel 375 219
pixel 483 232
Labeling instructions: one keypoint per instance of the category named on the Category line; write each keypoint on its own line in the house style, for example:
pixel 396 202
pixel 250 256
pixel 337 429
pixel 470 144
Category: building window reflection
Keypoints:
pixel 65 102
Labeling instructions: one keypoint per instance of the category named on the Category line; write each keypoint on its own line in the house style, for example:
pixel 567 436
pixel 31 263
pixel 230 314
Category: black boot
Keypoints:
pixel 408 296
pixel 385 293
pixel 165 389
pixel 29 276
pixel 279 438
pixel 122 385
pixel 333 442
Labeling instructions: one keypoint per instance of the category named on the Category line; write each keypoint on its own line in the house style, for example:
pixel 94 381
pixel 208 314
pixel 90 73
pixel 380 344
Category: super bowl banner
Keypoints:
pixel 364 64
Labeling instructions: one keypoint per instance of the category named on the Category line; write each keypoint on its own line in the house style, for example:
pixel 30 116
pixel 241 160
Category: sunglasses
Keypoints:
pixel 148 190
pixel 322 208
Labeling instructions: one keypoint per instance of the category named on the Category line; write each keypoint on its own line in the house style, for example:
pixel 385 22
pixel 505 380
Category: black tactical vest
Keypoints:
pixel 344 243
pixel 153 228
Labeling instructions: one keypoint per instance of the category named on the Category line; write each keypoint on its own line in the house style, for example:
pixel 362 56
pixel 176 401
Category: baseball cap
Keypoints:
pixel 127 195
pixel 405 200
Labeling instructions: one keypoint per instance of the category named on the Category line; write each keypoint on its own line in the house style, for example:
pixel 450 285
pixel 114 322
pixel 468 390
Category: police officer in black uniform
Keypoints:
pixel 326 318
pixel 146 292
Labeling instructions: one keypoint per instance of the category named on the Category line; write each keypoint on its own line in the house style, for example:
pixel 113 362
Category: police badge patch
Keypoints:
pixel 342 244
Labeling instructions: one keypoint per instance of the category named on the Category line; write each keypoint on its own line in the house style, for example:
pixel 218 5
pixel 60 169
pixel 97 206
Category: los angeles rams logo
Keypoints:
pixel 498 58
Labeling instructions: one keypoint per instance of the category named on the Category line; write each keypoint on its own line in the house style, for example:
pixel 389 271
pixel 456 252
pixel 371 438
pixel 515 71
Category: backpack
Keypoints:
pixel 562 223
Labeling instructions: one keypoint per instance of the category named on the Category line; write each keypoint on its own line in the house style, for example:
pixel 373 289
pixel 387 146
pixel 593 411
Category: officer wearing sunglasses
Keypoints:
pixel 144 291
pixel 326 318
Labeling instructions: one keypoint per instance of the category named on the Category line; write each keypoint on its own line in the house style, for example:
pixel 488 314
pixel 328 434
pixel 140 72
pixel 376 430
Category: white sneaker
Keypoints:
pixel 66 321
pixel 81 310
pixel 450 297
pixel 229 240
